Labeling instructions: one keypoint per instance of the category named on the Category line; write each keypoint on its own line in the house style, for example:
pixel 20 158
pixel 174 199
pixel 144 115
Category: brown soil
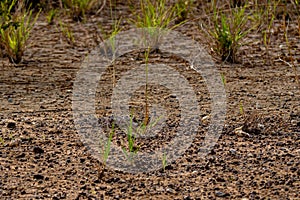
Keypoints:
pixel 42 156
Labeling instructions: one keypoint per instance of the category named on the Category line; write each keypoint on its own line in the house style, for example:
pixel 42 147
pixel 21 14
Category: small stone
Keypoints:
pixel 290 163
pixel 260 126
pixel 170 190
pixel 232 151
pixel 186 197
pixel 22 155
pixel 238 131
pixel 221 194
pixel 14 143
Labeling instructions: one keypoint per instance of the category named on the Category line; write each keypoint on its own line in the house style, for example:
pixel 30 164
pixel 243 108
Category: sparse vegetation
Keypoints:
pixel 254 44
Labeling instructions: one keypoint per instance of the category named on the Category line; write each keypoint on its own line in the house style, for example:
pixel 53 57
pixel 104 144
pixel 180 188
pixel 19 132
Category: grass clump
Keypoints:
pixel 157 15
pixel 182 9
pixel 78 9
pixel 15 27
pixel 153 14
pixel 229 27
pixel 161 13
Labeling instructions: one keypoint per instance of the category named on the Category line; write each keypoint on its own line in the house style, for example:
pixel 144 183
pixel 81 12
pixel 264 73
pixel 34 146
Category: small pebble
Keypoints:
pixel 220 194
pixel 232 151
pixel 186 197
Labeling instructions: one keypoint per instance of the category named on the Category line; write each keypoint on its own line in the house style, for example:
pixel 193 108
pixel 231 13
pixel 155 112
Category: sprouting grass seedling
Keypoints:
pixel 142 129
pixel 296 4
pixel 223 78
pixel 67 33
pixel 133 149
pixel 146 116
pixel 112 46
pixel 241 107
pixel 1 141
pixel 164 161
pixel 269 15
pixel 291 56
pixel 51 15
pixel 110 36
pixel 108 144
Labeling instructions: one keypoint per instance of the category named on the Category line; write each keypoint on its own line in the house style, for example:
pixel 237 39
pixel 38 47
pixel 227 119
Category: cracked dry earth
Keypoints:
pixel 42 157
